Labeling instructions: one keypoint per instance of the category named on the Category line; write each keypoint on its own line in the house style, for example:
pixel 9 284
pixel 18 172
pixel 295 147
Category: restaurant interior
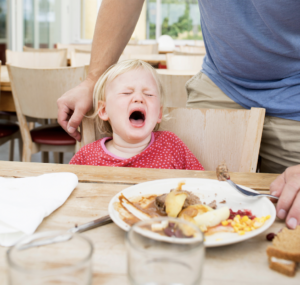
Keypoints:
pixel 221 237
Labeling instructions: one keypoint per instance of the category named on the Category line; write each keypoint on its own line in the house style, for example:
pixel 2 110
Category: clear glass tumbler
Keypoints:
pixel 164 257
pixel 36 262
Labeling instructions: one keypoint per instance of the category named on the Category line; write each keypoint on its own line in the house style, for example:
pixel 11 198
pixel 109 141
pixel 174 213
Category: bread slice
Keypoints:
pixel 282 266
pixel 286 245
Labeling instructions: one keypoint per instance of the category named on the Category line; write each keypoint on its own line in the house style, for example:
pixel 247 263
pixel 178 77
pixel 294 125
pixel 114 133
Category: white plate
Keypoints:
pixel 207 190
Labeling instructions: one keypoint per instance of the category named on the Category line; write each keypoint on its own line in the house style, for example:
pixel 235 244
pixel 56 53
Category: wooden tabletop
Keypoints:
pixel 152 59
pixel 242 263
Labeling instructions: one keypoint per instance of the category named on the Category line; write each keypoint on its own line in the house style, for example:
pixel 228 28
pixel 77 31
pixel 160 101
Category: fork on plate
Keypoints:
pixel 249 193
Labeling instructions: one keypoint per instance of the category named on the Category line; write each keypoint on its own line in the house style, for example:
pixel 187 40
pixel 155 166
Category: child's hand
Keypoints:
pixel 287 188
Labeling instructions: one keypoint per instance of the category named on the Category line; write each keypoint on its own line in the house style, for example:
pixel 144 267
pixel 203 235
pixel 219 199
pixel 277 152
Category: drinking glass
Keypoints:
pixel 35 261
pixel 156 259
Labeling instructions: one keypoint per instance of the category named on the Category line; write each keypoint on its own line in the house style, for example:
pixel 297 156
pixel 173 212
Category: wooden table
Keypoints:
pixel 6 99
pixel 242 263
pixel 173 82
pixel 153 59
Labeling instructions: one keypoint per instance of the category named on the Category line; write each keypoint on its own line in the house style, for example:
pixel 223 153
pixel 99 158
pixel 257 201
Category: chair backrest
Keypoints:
pixel 213 135
pixel 141 49
pixel 80 57
pixel 177 52
pixel 36 59
pixel 184 62
pixel 63 52
pixel 193 49
pixel 35 91
pixel 72 47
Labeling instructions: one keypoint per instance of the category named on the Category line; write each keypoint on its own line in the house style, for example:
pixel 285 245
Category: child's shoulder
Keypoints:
pixel 96 145
pixel 167 136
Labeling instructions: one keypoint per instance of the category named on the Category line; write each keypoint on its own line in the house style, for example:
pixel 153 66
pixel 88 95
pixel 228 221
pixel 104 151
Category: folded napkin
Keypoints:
pixel 25 202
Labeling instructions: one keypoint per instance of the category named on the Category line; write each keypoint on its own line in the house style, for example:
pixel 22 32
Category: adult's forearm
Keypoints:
pixel 115 24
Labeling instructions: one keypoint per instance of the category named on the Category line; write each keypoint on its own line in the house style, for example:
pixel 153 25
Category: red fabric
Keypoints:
pixel 162 66
pixel 166 152
pixel 51 136
pixel 8 129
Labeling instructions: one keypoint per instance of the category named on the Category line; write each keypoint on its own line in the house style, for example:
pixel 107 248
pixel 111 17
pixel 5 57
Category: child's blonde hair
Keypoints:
pixel 109 75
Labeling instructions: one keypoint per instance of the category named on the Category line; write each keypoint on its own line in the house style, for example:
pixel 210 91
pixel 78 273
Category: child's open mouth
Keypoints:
pixel 137 118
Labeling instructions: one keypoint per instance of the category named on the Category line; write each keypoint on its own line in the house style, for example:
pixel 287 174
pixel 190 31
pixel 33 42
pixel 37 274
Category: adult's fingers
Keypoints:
pixel 74 123
pixel 293 217
pixel 277 185
pixel 63 115
pixel 288 196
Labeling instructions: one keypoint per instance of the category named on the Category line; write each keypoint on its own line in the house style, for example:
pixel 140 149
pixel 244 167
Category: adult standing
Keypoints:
pixel 253 60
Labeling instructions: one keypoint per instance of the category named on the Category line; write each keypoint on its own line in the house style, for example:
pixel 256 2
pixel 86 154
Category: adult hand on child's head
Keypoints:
pixel 287 187
pixel 73 105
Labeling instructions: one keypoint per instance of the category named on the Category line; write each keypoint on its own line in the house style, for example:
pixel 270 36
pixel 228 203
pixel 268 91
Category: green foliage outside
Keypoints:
pixel 183 29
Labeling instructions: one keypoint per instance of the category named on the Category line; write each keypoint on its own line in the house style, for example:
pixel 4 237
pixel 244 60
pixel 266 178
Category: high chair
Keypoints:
pixel 213 135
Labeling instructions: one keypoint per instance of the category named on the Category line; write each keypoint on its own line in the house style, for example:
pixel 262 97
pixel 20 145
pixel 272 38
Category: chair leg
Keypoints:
pixel 26 154
pixel 61 157
pixel 20 148
pixel 11 150
pixel 45 157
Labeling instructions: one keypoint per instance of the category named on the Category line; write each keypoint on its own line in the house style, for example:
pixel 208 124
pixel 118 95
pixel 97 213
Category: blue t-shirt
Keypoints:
pixel 253 52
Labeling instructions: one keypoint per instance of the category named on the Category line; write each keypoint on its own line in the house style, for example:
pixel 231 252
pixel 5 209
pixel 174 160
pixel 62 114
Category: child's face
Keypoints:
pixel 132 105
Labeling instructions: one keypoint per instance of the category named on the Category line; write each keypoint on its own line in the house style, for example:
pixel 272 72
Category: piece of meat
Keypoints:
pixel 213 204
pixel 222 172
pixel 191 199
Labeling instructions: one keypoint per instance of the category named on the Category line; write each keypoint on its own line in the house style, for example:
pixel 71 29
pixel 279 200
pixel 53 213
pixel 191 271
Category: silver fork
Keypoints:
pixel 248 193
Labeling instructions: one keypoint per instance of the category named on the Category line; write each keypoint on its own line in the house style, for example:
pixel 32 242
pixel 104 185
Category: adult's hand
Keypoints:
pixel 287 187
pixel 73 105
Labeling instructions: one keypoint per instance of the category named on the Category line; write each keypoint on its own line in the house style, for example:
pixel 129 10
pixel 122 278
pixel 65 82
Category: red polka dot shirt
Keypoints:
pixel 165 151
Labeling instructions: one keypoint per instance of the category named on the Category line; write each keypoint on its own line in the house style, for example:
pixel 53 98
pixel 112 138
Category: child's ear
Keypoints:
pixel 160 115
pixel 102 111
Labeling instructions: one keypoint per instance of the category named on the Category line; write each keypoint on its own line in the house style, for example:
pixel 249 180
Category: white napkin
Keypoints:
pixel 25 202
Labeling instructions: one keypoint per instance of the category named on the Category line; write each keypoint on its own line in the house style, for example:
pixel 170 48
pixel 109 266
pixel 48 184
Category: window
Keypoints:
pixel 180 19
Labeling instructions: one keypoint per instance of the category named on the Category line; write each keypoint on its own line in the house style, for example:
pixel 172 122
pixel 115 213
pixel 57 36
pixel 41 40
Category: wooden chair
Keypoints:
pixel 193 49
pixel 80 57
pixel 9 132
pixel 213 135
pixel 35 92
pixel 176 52
pixel 183 62
pixel 173 83
pixel 36 59
pixel 141 49
pixel 72 47
pixel 64 52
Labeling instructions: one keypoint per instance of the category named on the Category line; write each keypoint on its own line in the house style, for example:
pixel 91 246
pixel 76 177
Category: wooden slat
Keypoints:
pixel 101 174
pixel 252 140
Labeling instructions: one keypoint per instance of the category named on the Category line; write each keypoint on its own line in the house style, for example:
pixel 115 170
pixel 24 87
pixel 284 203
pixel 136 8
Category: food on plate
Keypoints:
pixel 172 229
pixel 285 251
pixel 222 172
pixel 185 205
pixel 176 199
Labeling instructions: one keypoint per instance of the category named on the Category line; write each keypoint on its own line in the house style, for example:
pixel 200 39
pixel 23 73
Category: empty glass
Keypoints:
pixel 155 258
pixel 36 262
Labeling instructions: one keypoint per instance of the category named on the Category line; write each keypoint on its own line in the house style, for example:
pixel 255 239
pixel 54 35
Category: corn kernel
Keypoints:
pixel 236 229
pixel 245 219
pixel 268 217
pixel 241 233
pixel 225 223
pixel 247 229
